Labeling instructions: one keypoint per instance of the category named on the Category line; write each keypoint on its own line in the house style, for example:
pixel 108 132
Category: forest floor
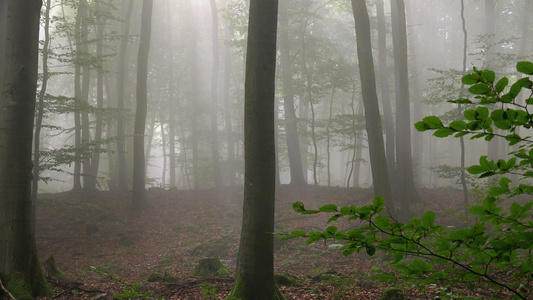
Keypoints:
pixel 107 251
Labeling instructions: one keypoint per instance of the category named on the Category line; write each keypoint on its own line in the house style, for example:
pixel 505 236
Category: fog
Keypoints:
pixel 323 63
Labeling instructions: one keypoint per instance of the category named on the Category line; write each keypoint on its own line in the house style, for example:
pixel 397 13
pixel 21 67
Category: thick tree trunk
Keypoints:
pixel 122 184
pixel 138 189
pixel 20 270
pixel 376 146
pixel 255 264
pixel 406 191
pixel 291 123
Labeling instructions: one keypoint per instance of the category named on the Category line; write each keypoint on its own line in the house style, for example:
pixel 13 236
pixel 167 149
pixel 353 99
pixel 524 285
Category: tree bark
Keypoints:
pixel 19 263
pixel 255 263
pixel 40 105
pixel 406 191
pixel 214 97
pixel 122 184
pixel 291 123
pixel 376 146
pixel 383 72
pixel 138 189
pixel 227 104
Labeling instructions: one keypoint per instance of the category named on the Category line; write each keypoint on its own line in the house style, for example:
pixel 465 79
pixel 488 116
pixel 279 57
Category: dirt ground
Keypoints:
pixel 107 251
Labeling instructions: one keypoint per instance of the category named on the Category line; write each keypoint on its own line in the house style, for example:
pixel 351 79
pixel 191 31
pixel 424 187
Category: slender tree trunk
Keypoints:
pixel 195 110
pixel 358 151
pixel 490 31
pixel 98 132
pixel 227 104
pixel 172 99
pixel 164 149
pixel 214 96
pixel 291 123
pixel 138 189
pixel 383 76
pixel 328 137
pixel 461 139
pixel 77 98
pixel 40 105
pixel 85 85
pixel 376 146
pixel 127 6
pixel 149 140
pixel 20 270
pixel 255 263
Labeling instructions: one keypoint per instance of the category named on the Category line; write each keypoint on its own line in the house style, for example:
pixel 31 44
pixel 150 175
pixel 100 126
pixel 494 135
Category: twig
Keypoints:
pixel 5 290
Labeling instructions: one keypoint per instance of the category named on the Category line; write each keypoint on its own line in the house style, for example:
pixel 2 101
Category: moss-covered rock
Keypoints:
pixel 392 293
pixel 332 277
pixel 155 277
pixel 210 267
pixel 286 279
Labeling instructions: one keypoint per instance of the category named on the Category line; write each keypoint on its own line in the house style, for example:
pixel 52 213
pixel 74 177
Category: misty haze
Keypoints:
pixel 266 149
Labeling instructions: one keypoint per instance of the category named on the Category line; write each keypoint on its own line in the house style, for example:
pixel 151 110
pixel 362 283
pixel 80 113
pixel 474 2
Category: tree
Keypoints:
pixel 291 122
pixel 139 190
pixel 255 263
pixel 127 7
pixel 19 264
pixel 378 160
pixel 214 97
pixel 405 186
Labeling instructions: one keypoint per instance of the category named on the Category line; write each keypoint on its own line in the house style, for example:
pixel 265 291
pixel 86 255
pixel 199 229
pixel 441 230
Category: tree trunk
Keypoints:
pixel 255 263
pixel 40 105
pixel 20 269
pixel 194 102
pixel 95 163
pixel 138 189
pixel 291 123
pixel 227 104
pixel 406 191
pixel 383 76
pixel 84 96
pixel 77 100
pixel 172 99
pixel 376 146
pixel 122 184
pixel 214 97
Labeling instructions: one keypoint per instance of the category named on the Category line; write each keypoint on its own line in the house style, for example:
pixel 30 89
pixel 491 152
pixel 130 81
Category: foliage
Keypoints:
pixel 476 254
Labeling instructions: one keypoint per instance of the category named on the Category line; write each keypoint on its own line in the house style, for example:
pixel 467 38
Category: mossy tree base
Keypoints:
pixel 23 288
pixel 244 291
pixel 50 268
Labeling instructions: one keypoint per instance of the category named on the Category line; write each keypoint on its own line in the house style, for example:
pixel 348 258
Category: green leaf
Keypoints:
pixel 298 207
pixel 458 125
pixel 432 122
pixel 501 84
pixel 428 219
pixel 378 201
pixel 525 67
pixel 488 75
pixel 370 250
pixel 421 126
pixel 475 169
pixel 328 208
pixel 298 233
pixel 479 89
pixel 443 132
pixel 470 114
pixel 382 222
pixel 482 113
pixel 470 79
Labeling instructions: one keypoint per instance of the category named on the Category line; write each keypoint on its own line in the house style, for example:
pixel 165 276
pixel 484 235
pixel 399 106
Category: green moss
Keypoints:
pixel 286 279
pixel 155 277
pixel 392 293
pixel 209 267
pixel 242 291
pixel 17 285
